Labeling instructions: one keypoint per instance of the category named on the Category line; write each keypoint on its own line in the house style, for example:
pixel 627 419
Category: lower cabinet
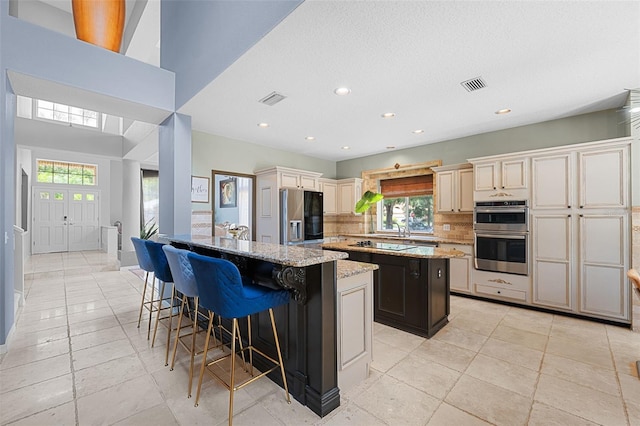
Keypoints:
pixel 498 285
pixel 411 294
pixel 579 263
pixel 460 268
pixel 355 329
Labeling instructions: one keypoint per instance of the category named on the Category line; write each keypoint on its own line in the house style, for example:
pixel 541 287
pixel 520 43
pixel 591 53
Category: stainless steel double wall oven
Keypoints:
pixel 501 231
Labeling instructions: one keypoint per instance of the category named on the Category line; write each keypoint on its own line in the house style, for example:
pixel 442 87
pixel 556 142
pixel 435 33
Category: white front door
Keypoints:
pixel 65 220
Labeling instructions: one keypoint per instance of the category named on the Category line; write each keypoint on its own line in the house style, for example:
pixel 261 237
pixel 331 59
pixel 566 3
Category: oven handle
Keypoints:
pixel 508 237
pixel 499 210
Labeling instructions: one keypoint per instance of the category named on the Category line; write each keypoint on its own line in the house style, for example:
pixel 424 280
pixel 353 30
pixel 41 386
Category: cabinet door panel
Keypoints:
pixel 397 290
pixel 514 174
pixel 465 190
pixel 484 177
pixel 604 179
pixel 308 182
pixel 330 195
pixel 604 291
pixel 603 239
pixel 552 182
pixel 459 268
pixel 288 180
pixel 446 193
pixel 552 284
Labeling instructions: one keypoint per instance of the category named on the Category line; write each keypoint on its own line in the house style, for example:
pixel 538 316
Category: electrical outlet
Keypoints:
pixel 446 227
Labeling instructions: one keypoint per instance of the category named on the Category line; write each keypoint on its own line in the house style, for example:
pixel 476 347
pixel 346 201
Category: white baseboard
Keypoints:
pixel 5 347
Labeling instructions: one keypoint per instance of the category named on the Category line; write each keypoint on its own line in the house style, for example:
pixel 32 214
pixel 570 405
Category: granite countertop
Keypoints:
pixel 349 268
pixel 416 238
pixel 398 250
pixel 275 253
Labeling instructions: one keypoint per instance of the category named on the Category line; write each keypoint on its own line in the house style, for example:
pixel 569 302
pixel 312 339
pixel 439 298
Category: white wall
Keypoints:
pixel 104 181
pixel 212 152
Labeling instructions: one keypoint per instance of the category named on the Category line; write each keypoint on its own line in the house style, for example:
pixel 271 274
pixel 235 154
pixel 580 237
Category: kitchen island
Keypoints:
pixel 411 288
pixel 307 325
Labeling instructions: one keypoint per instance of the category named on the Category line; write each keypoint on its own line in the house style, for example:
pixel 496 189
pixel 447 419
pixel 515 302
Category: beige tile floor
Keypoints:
pixel 77 358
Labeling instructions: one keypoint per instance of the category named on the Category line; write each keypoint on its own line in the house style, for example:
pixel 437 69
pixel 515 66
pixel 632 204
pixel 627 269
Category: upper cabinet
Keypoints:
pixel 340 196
pixel 454 188
pixel 329 188
pixel 293 178
pixel 604 181
pixel 268 184
pixel 552 184
pixel 349 192
pixel 599 182
pixel 505 178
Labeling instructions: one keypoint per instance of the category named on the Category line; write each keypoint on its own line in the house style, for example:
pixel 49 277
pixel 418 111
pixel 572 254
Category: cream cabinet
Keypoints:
pixel 329 188
pixel 580 229
pixel 268 184
pixel 604 289
pixel 552 254
pixel 498 285
pixel 460 268
pixel 604 178
pixel 504 178
pixel 354 328
pixel 553 185
pixel 292 178
pixel 454 188
pixel 349 192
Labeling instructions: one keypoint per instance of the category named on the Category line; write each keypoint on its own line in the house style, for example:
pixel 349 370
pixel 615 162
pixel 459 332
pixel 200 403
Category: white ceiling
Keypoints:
pixel 543 60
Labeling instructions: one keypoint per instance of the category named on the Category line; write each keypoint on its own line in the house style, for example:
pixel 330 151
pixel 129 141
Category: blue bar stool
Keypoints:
pixel 144 260
pixel 163 273
pixel 185 285
pixel 222 290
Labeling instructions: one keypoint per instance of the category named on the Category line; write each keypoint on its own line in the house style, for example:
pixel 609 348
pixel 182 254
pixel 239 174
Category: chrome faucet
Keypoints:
pixel 399 229
pixel 403 231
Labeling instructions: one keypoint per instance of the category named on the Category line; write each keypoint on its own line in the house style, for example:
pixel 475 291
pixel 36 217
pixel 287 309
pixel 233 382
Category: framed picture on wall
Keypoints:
pixel 199 189
pixel 228 193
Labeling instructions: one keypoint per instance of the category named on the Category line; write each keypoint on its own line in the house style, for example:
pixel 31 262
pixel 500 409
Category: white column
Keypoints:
pixel 175 175
pixel 130 210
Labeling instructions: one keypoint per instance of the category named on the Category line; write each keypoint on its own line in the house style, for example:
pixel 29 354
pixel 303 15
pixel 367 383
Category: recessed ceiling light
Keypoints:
pixel 310 138
pixel 342 91
pixel 503 111
pixel 345 147
pixel 417 132
pixel 635 109
pixel 388 115
pixel 263 125
pixel 391 147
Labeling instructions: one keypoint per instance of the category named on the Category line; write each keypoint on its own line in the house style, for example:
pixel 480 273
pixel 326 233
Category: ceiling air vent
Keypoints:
pixel 474 84
pixel 272 98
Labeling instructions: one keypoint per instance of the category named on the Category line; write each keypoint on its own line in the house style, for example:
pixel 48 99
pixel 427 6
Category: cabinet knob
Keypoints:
pixel 568 215
pixel 452 210
pixel 494 187
pixel 503 187
pixel 581 207
pixel 581 216
pixel 568 207
pixel 459 210
pixel 498 291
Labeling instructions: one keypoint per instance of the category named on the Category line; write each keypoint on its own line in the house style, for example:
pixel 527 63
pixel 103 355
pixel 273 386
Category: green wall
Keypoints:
pixel 211 152
pixel 595 126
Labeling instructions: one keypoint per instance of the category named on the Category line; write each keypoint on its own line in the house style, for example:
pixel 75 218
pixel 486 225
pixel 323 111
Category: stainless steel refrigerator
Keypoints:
pixel 300 216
